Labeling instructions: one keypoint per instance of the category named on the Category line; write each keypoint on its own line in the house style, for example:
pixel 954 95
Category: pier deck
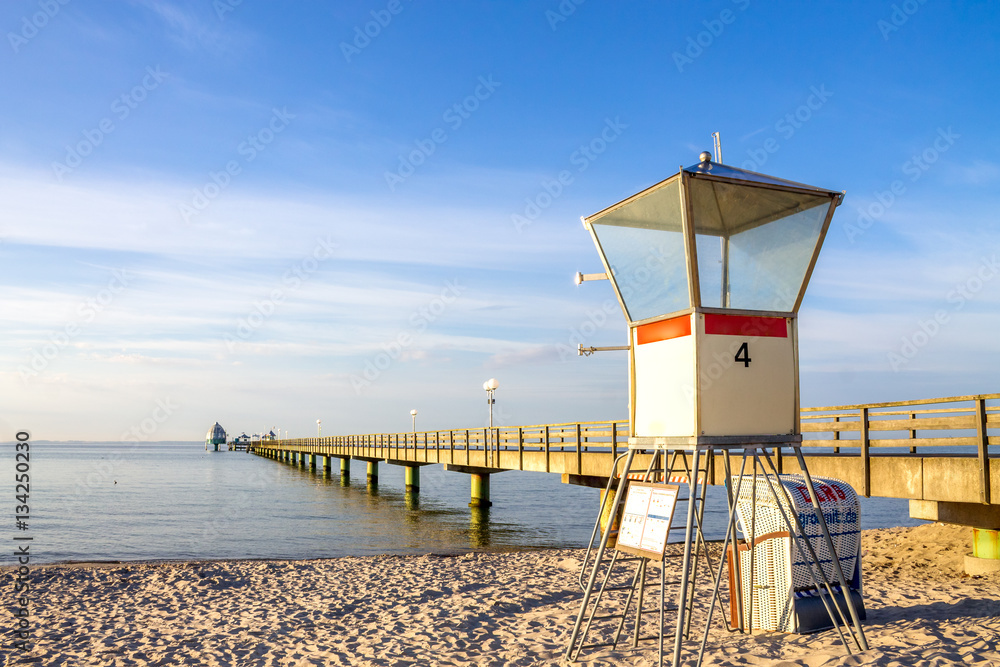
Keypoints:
pixel 935 453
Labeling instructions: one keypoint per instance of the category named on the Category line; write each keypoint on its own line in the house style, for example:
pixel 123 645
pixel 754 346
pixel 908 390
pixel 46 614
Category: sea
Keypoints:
pixel 111 502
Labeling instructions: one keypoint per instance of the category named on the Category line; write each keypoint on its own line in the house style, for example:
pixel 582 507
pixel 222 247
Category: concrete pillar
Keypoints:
pixel 480 490
pixel 328 463
pixel 986 543
pixel 373 473
pixel 985 558
pixel 412 478
pixel 345 467
pixel 312 461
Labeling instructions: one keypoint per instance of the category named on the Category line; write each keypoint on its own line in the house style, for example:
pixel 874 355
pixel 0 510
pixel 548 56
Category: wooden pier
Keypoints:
pixel 934 453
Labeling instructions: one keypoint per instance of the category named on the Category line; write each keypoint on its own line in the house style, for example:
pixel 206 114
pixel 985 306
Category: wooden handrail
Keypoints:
pixel 953 426
pixel 895 404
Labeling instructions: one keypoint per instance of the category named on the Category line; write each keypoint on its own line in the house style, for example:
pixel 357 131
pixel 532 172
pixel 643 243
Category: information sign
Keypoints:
pixel 645 525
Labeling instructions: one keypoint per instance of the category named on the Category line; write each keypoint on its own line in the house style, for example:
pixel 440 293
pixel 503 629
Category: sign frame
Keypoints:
pixel 647 515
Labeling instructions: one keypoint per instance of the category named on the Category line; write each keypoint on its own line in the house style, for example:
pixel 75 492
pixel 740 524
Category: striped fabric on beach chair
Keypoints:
pixel 778 591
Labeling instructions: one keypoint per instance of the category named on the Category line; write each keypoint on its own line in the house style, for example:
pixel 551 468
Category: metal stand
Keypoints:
pixel 601 568
pixel 760 455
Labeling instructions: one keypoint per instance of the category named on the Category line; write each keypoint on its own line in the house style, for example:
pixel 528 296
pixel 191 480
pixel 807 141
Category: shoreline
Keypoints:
pixel 483 608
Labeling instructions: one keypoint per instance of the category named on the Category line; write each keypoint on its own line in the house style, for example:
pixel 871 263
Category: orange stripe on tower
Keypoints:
pixel 746 325
pixel 675 327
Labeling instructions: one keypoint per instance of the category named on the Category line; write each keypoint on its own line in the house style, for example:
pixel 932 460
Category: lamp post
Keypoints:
pixel 481 483
pixel 319 428
pixel 491 386
pixel 413 418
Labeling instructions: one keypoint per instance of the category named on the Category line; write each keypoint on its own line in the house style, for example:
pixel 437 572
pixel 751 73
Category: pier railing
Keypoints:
pixel 956 426
pixel 958 421
pixel 935 449
pixel 473 447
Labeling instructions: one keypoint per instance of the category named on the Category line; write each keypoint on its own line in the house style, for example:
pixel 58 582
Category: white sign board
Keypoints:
pixel 645 524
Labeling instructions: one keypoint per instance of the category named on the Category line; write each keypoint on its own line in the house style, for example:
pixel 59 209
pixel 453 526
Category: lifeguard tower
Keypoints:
pixel 710 267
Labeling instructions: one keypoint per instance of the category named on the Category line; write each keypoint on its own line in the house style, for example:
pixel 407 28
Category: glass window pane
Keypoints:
pixel 648 268
pixel 642 241
pixel 767 264
pixel 754 243
pixel 710 269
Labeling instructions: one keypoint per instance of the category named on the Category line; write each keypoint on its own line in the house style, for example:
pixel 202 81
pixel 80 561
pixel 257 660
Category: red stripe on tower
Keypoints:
pixel 746 325
pixel 675 327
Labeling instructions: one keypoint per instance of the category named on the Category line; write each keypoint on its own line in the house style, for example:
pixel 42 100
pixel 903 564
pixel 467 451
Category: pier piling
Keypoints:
pixel 480 490
pixel 412 479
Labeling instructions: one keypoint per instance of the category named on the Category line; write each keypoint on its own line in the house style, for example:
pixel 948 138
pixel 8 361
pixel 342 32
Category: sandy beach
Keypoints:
pixel 481 608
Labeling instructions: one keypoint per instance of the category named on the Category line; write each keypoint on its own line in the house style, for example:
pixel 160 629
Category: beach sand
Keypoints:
pixel 473 609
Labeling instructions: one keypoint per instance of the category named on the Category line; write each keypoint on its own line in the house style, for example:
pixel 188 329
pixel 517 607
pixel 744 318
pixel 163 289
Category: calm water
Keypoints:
pixel 110 502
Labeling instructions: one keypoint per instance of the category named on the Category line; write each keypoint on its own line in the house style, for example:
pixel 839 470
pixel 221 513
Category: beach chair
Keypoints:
pixel 773 589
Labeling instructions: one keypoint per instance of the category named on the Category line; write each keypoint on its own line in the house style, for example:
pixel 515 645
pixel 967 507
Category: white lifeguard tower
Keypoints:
pixel 710 267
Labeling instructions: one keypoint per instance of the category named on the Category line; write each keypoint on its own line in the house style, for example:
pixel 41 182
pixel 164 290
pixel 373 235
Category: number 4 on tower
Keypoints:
pixel 743 354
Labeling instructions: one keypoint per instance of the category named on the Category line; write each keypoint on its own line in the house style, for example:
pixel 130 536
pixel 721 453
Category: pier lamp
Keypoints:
pixel 491 386
pixel 319 428
pixel 413 418
pixel 710 267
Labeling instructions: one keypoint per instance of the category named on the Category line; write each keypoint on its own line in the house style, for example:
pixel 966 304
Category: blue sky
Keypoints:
pixel 271 213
